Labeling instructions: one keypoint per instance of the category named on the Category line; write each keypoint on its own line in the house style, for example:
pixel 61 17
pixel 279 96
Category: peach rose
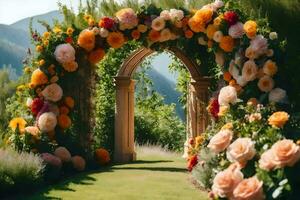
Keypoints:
pixel 225 181
pixel 278 119
pixel 228 95
pixel 285 153
pixel 241 150
pixel 220 141
pixel 249 189
pixel 265 161
pixel 266 84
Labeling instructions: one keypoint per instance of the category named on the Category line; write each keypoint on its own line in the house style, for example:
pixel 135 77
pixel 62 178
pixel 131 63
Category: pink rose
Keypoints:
pixel 285 153
pixel 64 53
pixel 265 161
pixel 259 45
pixel 78 163
pixel 249 189
pixel 63 154
pixel 225 181
pixel 237 30
pixel 53 92
pixel 241 150
pixel 220 141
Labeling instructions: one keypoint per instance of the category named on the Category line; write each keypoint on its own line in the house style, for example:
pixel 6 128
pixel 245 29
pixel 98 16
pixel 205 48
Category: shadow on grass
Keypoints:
pixel 161 169
pixel 144 162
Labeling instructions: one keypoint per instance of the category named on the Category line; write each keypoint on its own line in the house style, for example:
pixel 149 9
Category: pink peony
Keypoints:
pixel 64 53
pixel 51 160
pixel 225 181
pixel 47 122
pixel 63 154
pixel 78 163
pixel 241 150
pixel 237 30
pixel 249 189
pixel 53 92
pixel 220 141
pixel 127 18
pixel 259 45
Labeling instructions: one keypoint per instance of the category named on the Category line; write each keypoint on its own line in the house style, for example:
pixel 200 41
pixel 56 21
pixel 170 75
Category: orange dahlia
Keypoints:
pixel 69 101
pixel 38 77
pixel 227 43
pixel 196 26
pixel 204 15
pixel 64 110
pixel 227 76
pixel 210 31
pixel 64 121
pixel 154 36
pixel 86 39
pixel 135 34
pixel 96 56
pixel 70 66
pixel 116 39
pixel 102 156
pixel 188 34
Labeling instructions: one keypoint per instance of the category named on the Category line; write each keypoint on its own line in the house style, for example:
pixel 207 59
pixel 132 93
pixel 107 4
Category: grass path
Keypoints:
pixel 156 175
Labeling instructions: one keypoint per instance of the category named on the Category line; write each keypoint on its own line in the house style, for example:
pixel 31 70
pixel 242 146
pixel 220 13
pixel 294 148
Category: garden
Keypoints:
pixel 63 130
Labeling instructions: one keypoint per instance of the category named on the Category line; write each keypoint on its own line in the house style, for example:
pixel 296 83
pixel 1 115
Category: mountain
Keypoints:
pixel 166 88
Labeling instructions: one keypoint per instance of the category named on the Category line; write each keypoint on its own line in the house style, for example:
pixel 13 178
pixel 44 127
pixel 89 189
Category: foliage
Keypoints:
pixel 19 171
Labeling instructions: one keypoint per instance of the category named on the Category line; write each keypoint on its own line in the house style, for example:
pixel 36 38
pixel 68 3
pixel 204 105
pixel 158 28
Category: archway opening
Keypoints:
pixel 124 114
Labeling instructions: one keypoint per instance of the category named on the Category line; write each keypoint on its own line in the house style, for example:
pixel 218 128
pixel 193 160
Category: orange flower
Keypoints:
pixel 86 39
pixel 250 28
pixel 218 20
pixel 227 43
pixel 278 119
pixel 102 156
pixel 210 31
pixel 64 110
pixel 39 48
pixel 97 55
pixel 210 43
pixel 204 15
pixel 135 34
pixel 19 123
pixel 38 77
pixel 154 36
pixel 116 39
pixel 188 34
pixel 227 76
pixel 196 26
pixel 64 121
pixel 232 82
pixel 70 66
pixel 69 101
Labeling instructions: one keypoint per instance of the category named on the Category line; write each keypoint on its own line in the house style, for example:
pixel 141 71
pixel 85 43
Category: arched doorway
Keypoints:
pixel 124 112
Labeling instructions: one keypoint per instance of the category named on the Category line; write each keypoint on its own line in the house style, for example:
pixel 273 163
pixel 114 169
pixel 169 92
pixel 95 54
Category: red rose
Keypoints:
pixel 231 17
pixel 69 40
pixel 213 107
pixel 193 161
pixel 106 23
pixel 36 106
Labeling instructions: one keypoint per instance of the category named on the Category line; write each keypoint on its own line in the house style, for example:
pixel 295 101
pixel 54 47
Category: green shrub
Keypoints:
pixel 19 171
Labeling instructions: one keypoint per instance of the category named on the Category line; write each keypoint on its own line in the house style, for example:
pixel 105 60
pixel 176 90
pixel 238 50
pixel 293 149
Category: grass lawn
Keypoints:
pixel 155 175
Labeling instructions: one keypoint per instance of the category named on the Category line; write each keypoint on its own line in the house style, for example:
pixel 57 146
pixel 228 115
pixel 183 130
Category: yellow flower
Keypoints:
pixel 250 28
pixel 27 70
pixel 46 35
pixel 39 48
pixel 87 17
pixel 21 87
pixel 57 30
pixel 223 110
pixel 18 123
pixel 227 126
pixel 70 31
pixel 45 42
pixel 278 119
pixel 199 140
pixel 42 62
pixel 210 31
pixel 218 20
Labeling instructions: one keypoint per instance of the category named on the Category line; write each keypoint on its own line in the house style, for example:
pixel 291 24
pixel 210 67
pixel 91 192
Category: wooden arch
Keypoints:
pixel 197 117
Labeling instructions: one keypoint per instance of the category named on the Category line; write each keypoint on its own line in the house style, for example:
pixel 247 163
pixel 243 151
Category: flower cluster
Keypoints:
pixel 250 142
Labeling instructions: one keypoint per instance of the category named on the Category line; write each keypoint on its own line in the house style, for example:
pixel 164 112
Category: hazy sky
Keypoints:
pixel 14 10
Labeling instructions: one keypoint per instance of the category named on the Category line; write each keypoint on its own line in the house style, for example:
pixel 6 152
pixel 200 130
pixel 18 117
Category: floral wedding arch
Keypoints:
pixel 216 37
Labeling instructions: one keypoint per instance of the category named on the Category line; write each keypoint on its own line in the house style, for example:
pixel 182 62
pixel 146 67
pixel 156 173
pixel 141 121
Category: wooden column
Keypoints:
pixel 124 120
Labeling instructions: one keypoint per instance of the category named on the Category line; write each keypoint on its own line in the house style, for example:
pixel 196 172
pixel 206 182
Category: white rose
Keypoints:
pixel 277 95
pixel 217 4
pixel 165 14
pixel 29 102
pixel 176 14
pixel 227 95
pixel 273 36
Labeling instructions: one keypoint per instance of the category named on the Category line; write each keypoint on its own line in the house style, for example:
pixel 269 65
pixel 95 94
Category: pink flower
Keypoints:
pixel 64 53
pixel 53 92
pixel 47 122
pixel 259 45
pixel 241 150
pixel 220 141
pixel 237 30
pixel 51 160
pixel 249 70
pixel 33 130
pixel 227 95
pixel 127 18
pixel 226 181
pixel 165 14
pixel 176 15
pixel 63 154
pixel 265 161
pixel 78 163
pixel 249 189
